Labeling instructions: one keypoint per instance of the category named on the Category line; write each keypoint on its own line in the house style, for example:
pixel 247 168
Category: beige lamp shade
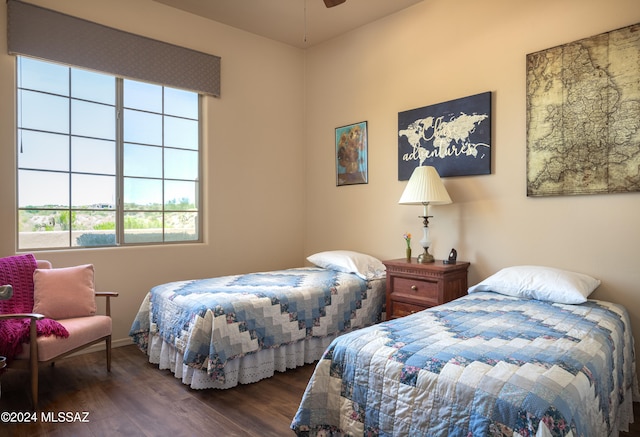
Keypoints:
pixel 425 187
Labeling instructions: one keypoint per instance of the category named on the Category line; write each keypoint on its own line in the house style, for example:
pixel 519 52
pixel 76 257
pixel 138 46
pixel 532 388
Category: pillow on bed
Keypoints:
pixel 64 293
pixel 365 266
pixel 540 283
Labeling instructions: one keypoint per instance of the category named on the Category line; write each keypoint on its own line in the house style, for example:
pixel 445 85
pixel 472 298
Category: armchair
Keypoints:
pixel 64 298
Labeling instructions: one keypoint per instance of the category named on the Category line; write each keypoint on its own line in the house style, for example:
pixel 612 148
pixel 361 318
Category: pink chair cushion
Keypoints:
pixel 82 330
pixel 64 293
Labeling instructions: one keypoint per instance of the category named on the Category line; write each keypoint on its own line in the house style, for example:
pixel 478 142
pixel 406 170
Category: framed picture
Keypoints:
pixel 454 137
pixel 583 135
pixel 351 154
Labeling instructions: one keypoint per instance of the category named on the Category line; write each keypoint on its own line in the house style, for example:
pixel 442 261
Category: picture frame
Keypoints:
pixel 453 136
pixel 351 147
pixel 582 117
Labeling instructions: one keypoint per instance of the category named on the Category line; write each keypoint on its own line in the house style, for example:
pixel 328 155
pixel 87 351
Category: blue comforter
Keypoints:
pixel 211 321
pixel 482 365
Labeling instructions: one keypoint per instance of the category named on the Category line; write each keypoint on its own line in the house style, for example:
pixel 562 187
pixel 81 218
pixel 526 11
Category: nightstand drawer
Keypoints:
pixel 401 309
pixel 424 291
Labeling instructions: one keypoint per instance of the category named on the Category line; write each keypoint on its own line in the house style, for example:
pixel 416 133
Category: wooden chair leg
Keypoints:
pixel 33 362
pixel 108 348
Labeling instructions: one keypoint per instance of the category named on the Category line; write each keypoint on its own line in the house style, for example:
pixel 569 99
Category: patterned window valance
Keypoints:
pixel 46 34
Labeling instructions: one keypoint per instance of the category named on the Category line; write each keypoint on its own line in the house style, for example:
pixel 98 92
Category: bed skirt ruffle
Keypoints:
pixel 244 370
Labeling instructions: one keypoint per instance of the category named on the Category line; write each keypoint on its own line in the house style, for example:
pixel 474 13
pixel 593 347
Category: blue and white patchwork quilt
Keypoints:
pixel 211 321
pixel 482 365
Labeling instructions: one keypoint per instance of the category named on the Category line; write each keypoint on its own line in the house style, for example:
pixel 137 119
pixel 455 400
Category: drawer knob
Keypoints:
pixel 414 287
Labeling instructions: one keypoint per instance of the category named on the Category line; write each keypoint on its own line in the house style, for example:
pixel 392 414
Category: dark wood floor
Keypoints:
pixel 137 399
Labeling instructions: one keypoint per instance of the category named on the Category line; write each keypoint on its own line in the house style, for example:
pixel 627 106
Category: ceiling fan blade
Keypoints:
pixel 332 3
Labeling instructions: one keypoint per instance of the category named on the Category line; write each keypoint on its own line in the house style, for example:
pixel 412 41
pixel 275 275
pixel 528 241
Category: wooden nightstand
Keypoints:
pixel 413 287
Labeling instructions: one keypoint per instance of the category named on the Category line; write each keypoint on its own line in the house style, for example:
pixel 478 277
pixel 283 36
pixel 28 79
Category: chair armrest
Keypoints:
pixel 34 316
pixel 107 295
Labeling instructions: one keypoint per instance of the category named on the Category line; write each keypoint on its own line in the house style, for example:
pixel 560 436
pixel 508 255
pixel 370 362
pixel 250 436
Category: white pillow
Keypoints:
pixel 365 266
pixel 541 283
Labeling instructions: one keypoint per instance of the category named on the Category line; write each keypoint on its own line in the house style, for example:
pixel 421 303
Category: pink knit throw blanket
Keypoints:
pixel 18 271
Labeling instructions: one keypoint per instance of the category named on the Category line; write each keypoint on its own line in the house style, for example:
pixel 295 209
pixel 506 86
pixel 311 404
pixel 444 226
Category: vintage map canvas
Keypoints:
pixel 583 116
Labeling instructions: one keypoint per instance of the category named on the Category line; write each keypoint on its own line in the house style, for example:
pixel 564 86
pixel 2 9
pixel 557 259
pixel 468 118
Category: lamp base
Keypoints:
pixel 426 257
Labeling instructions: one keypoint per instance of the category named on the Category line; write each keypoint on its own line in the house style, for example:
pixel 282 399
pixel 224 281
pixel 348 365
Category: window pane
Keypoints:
pixel 96 87
pixel 93 120
pixel 143 227
pixel 182 133
pixel 181 195
pixel 142 127
pixel 143 96
pixel 180 164
pixel 181 226
pixel 34 220
pixel 93 238
pixel 43 151
pixel 43 189
pixel 43 229
pixel 94 228
pixel 142 161
pixel 180 103
pixel 43 112
pixel 93 156
pixel 91 191
pixel 43 76
pixel 142 194
pixel 104 220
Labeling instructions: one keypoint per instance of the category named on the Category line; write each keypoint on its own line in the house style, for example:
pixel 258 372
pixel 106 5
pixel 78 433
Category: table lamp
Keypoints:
pixel 425 188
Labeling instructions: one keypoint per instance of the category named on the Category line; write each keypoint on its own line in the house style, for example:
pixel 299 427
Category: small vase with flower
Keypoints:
pixel 407 239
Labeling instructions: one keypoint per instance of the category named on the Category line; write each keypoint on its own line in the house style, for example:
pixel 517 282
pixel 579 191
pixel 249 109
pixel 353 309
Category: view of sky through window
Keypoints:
pixel 87 139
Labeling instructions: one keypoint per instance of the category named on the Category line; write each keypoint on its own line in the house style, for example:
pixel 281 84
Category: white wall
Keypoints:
pixel 254 178
pixel 440 50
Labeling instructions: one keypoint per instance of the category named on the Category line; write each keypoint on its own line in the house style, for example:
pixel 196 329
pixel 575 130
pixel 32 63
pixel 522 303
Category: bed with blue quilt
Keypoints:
pixel 500 361
pixel 218 332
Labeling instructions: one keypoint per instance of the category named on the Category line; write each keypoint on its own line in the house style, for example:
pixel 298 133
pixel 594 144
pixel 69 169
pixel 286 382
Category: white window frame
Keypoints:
pixel 120 233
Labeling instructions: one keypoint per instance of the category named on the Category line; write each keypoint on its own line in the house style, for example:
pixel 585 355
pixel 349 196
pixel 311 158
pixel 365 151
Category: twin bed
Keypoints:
pixel 524 354
pixel 219 332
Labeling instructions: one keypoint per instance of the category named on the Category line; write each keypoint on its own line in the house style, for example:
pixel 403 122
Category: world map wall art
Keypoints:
pixel 454 137
pixel 583 116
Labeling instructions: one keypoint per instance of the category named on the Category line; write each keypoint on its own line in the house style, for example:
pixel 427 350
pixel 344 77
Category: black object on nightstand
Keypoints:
pixel 453 257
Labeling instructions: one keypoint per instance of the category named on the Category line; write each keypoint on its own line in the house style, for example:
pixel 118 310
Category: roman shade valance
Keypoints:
pixel 54 36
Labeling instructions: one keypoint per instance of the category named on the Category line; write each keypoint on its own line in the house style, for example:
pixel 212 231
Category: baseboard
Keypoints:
pixel 121 342
pixel 100 346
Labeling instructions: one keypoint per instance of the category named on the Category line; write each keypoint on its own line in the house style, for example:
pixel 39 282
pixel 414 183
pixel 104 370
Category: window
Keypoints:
pixel 104 161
